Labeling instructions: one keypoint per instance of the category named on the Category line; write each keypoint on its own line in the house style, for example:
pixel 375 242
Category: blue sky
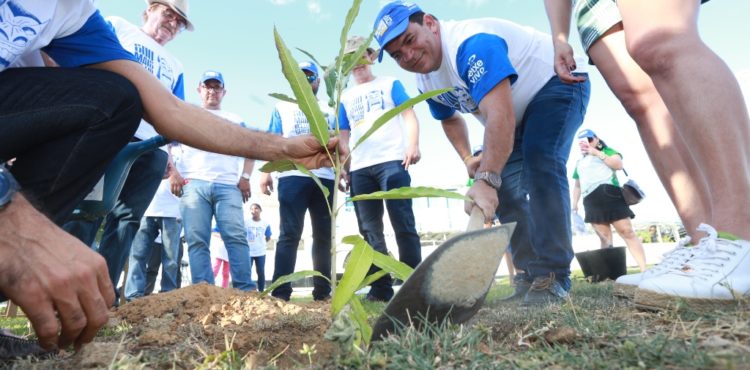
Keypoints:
pixel 236 37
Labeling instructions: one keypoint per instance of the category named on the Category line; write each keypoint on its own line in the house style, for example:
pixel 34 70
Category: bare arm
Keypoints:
pixel 201 129
pixel 458 134
pixel 576 195
pixel 496 111
pixel 244 184
pixel 412 155
pixel 558 13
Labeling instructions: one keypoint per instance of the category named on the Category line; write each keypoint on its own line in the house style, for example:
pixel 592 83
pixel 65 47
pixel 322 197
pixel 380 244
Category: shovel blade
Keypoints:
pixel 449 284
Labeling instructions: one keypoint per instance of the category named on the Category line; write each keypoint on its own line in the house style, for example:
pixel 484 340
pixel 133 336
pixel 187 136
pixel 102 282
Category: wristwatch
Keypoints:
pixel 246 176
pixel 8 187
pixel 491 178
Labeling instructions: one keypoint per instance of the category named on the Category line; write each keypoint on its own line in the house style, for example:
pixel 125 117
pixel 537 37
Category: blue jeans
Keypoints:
pixel 201 201
pixel 260 269
pixel 542 242
pixel 123 221
pixel 297 194
pixel 386 176
pixel 140 254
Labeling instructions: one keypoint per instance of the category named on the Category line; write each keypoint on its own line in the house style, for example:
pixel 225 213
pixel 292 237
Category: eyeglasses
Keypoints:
pixel 171 16
pixel 311 78
pixel 213 88
pixel 590 139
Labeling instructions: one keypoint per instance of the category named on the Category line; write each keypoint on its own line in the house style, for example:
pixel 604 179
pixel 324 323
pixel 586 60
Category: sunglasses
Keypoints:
pixel 311 78
pixel 590 139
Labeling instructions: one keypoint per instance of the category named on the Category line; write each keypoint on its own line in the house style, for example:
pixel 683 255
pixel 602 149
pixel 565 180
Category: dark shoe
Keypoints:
pixel 372 298
pixel 322 299
pixel 520 285
pixel 13 347
pixel 544 290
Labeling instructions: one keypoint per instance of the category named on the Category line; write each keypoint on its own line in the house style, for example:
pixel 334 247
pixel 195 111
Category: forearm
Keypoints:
pixel 499 133
pixel 558 14
pixel 412 127
pixel 576 195
pixel 457 133
pixel 248 165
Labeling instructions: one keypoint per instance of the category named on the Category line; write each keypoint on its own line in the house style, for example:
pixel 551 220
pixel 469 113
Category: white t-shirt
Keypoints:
pixel 72 32
pixel 164 204
pixel 202 165
pixel 360 106
pixel 257 231
pixel 155 58
pixel 592 172
pixel 288 120
pixel 480 53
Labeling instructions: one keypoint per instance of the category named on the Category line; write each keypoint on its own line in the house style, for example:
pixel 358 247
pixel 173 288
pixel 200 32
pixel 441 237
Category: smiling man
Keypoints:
pixel 501 73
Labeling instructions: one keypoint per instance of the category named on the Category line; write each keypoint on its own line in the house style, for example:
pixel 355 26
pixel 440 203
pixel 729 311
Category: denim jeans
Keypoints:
pixel 386 176
pixel 200 202
pixel 140 255
pixel 260 269
pixel 122 223
pixel 297 195
pixel 64 126
pixel 542 241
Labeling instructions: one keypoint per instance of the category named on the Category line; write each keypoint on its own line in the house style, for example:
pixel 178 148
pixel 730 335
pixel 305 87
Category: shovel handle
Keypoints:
pixel 476 219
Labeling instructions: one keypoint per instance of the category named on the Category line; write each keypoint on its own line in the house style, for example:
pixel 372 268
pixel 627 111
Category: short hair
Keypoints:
pixel 417 17
pixel 257 205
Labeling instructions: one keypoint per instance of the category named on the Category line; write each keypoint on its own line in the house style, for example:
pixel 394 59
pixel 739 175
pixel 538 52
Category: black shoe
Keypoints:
pixel 14 347
pixel 544 290
pixel 521 286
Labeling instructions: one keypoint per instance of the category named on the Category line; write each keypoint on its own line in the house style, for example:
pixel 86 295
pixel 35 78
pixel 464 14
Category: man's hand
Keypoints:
pixel 266 183
pixel 472 164
pixel 483 196
pixel 176 182
pixel 412 156
pixel 244 186
pixel 565 63
pixel 61 284
pixel 306 151
pixel 344 181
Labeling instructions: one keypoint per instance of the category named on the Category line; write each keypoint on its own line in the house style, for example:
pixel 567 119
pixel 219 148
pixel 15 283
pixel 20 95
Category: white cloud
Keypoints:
pixel 475 3
pixel 316 10
pixel 281 2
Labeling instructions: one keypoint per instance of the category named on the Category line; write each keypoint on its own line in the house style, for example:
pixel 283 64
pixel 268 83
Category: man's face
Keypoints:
pixel 255 211
pixel 212 92
pixel 163 24
pixel 314 81
pixel 363 72
pixel 418 48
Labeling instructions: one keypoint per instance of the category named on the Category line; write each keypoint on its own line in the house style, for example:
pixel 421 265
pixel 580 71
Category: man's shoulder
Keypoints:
pixel 227 115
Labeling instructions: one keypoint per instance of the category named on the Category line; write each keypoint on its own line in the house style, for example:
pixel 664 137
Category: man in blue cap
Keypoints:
pixel 502 74
pixel 299 193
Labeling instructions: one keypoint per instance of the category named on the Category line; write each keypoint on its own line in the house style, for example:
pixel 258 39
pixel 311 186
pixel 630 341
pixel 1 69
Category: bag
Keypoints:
pixel 632 193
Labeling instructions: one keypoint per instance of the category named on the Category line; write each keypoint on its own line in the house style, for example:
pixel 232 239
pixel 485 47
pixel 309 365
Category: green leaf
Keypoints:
pixel 309 56
pixel 292 277
pixel 283 97
pixel 356 269
pixel 359 314
pixel 351 60
pixel 387 116
pixel 351 15
pixel 278 166
pixel 331 77
pixel 399 269
pixel 302 91
pixel 371 278
pixel 409 192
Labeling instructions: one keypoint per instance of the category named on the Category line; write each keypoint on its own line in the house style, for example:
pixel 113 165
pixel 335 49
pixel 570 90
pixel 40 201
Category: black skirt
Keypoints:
pixel 605 205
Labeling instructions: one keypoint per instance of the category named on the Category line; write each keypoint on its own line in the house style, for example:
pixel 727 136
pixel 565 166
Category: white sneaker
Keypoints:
pixel 717 274
pixel 625 285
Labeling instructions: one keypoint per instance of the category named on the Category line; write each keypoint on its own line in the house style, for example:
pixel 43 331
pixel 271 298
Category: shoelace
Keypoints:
pixel 713 255
pixel 543 284
pixel 675 258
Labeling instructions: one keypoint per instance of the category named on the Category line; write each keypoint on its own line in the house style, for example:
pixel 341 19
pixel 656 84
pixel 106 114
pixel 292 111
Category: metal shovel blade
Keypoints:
pixel 449 284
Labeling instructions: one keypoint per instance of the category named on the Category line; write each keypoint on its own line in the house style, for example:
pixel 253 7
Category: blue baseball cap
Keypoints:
pixel 309 66
pixel 586 134
pixel 392 21
pixel 212 75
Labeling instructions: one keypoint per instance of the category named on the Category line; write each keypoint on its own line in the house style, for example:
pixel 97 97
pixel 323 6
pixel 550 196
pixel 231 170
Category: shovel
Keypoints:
pixel 450 284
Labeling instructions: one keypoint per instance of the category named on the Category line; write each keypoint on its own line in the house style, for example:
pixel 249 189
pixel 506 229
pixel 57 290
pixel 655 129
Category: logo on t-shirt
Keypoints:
pixel 458 99
pixel 18 28
pixel 476 69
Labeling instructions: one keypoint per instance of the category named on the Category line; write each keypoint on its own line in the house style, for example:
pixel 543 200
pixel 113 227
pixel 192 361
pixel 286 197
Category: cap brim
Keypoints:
pixel 391 34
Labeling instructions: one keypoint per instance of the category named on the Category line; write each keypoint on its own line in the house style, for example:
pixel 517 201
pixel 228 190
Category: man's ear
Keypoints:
pixel 431 22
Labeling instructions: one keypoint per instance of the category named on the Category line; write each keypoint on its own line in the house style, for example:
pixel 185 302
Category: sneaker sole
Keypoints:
pixel 653 301
pixel 624 291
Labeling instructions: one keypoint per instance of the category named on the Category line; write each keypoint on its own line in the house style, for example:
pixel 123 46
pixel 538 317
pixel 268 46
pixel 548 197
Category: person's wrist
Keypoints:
pixel 245 176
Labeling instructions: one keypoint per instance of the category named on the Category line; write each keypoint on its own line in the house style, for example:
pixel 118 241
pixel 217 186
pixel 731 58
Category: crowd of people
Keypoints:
pixel 120 84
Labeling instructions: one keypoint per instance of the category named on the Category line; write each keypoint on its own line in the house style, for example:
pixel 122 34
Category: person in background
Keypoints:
pixel 596 180
pixel 381 162
pixel 258 235
pixel 298 193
